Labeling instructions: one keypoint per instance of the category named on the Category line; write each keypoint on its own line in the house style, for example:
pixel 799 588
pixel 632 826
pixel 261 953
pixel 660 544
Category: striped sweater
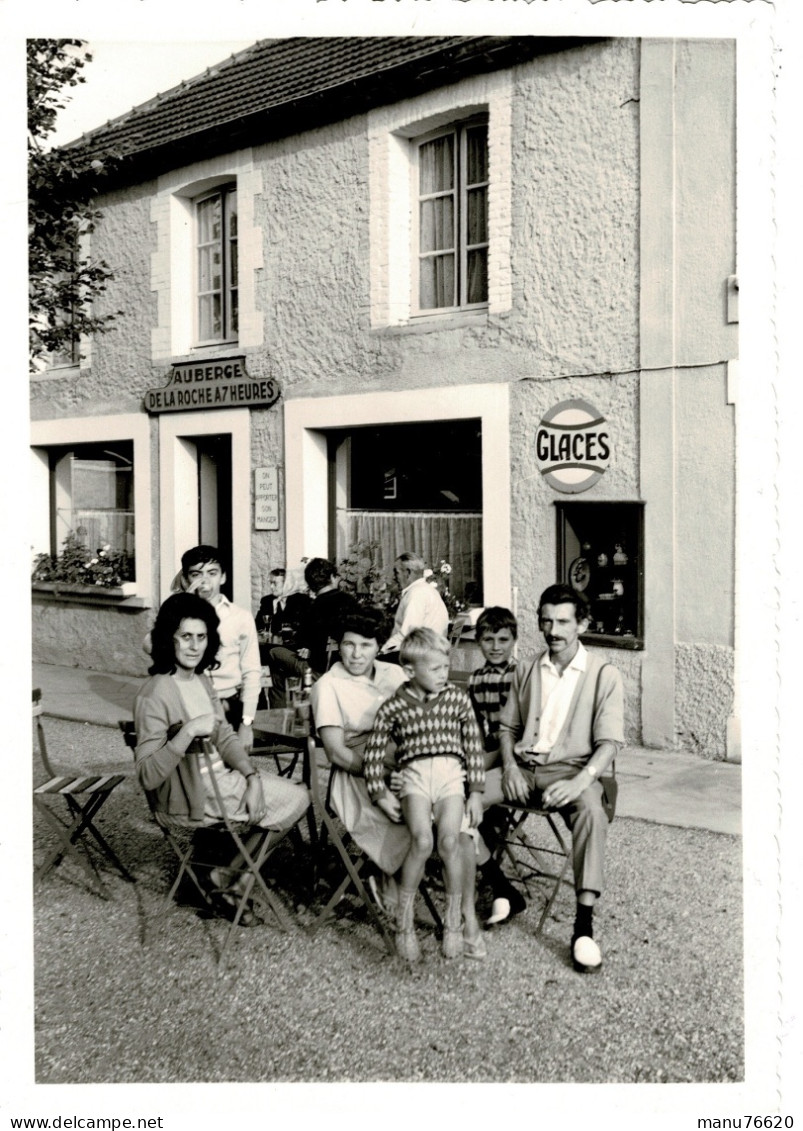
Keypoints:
pixel 442 725
pixel 489 688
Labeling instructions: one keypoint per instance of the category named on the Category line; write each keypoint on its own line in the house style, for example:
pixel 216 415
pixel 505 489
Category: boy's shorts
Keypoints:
pixel 433 778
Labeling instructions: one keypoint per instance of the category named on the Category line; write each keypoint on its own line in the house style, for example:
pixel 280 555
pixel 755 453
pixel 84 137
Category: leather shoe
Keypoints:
pixel 504 908
pixel 586 956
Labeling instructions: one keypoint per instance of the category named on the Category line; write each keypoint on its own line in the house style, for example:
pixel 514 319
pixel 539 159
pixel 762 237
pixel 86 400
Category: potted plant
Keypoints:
pixel 79 571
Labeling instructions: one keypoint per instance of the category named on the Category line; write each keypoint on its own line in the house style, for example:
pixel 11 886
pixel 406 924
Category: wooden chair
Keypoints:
pixel 83 796
pixel 350 856
pixel 195 857
pixel 527 857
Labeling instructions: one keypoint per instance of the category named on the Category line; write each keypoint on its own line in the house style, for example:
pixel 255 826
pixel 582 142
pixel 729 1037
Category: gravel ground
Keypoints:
pixel 127 991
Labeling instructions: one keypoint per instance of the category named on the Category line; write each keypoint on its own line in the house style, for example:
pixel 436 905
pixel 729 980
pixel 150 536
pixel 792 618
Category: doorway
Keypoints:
pixel 213 457
pixel 205 493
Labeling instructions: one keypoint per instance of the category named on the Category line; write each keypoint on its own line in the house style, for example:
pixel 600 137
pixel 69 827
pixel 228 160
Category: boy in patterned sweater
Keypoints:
pixel 438 749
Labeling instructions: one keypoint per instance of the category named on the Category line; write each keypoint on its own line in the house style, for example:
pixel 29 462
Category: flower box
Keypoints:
pixel 73 590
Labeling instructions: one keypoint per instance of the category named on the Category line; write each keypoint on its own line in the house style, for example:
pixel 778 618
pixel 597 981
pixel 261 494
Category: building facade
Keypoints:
pixel 473 296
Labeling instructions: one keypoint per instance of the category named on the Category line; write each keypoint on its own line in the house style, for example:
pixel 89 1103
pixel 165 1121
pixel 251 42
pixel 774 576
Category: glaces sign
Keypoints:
pixel 572 446
pixel 222 383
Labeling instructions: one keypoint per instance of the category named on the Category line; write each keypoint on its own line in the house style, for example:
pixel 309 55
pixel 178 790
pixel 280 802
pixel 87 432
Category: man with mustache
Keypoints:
pixel 560 730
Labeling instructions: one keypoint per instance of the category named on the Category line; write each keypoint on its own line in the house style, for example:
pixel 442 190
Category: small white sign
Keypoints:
pixel 266 498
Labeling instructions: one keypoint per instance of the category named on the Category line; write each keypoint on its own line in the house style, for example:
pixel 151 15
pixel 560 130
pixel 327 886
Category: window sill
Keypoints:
pixel 57 373
pixel 608 640
pixel 117 596
pixel 432 323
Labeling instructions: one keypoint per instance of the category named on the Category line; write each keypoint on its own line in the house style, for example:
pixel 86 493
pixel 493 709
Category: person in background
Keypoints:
pixel 282 609
pixel 324 616
pixel 237 677
pixel 420 604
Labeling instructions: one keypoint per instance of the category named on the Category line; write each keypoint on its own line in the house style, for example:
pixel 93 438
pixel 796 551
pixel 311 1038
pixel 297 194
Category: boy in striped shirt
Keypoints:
pixel 438 748
pixel 489 687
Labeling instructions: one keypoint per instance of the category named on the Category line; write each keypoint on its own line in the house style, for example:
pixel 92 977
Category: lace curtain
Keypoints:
pixel 455 538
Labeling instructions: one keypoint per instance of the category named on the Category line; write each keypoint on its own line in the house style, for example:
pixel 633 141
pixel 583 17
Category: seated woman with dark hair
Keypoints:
pixel 175 709
pixel 345 701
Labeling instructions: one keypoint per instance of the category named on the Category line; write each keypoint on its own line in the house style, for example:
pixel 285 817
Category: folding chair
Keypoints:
pixel 84 795
pixel 526 856
pixel 349 853
pixel 230 833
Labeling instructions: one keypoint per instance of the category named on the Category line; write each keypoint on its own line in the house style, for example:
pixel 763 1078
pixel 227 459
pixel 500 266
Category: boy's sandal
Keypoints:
pixel 474 948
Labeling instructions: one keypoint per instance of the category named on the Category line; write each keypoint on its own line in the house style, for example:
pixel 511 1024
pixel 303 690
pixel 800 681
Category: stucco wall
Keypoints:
pixel 705 188
pixel 82 636
pixel 705 508
pixel 703 698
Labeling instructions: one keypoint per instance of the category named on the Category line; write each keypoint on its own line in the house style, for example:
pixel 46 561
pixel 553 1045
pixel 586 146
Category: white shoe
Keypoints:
pixel 586 955
pixel 500 910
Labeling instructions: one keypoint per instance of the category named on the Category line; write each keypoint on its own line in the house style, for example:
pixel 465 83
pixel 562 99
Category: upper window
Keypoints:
pixel 216 251
pixel 453 217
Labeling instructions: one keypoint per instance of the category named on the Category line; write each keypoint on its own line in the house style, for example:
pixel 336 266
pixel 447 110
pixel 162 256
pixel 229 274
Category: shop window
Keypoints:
pixel 601 554
pixel 413 487
pixel 92 502
pixel 453 217
pixel 216 265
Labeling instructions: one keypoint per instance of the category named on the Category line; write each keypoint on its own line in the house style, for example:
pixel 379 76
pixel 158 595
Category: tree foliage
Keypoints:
pixel 62 184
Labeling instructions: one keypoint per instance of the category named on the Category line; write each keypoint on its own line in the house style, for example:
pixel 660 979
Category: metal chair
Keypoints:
pixel 194 857
pixel 526 857
pixel 83 795
pixel 350 855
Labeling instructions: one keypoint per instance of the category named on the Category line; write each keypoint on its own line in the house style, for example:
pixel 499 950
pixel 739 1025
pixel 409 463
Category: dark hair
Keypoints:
pixel 494 619
pixel 200 555
pixel 565 595
pixel 279 572
pixel 179 607
pixel 369 622
pixel 319 572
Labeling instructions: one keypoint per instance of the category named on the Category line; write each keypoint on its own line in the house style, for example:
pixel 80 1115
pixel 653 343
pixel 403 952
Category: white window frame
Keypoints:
pixel 229 332
pixel 173 269
pixel 459 193
pixel 47 434
pixel 307 421
pixel 394 200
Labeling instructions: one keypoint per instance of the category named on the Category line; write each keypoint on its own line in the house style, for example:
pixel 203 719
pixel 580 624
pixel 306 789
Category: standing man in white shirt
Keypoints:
pixel 420 606
pixel 237 678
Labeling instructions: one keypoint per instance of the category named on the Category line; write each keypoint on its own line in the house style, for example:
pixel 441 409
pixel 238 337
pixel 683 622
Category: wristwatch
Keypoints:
pixel 247 720
pixel 593 771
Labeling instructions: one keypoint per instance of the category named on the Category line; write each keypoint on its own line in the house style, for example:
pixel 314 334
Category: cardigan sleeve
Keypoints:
pixel 156 757
pixel 511 720
pixel 608 721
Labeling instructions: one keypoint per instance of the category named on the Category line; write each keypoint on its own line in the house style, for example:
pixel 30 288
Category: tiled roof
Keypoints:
pixel 278 87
